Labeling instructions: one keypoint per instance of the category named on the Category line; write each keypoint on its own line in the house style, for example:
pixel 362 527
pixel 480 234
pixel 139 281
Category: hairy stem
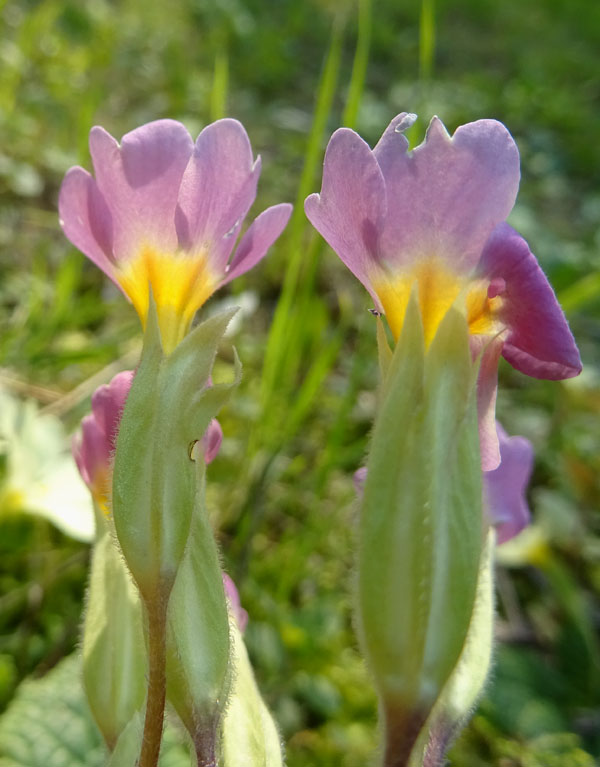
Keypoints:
pixel 402 729
pixel 157 679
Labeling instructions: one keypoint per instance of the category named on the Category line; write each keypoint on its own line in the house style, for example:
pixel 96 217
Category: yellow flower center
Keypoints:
pixel 180 285
pixel 438 288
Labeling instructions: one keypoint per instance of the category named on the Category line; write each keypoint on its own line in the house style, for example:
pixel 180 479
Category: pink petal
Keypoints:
pixel 259 237
pixel 108 402
pixel 231 592
pixel 140 182
pixel 446 197
pixel 350 210
pixel 487 388
pixel 359 478
pixel 539 342
pixel 91 451
pixel 217 190
pixel 504 488
pixel 86 219
pixel 211 440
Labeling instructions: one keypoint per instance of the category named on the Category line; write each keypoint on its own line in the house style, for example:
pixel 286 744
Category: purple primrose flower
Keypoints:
pixel 166 212
pixel 435 218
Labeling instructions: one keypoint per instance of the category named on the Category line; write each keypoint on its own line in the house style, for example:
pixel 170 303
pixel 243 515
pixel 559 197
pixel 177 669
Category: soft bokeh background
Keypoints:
pixel 281 490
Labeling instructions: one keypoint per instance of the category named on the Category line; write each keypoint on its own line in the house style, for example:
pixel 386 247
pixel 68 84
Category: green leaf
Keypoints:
pixel 49 724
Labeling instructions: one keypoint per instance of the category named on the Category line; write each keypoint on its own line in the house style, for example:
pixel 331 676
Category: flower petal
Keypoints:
pixel 140 181
pixel 240 615
pixel 86 219
pixel 211 440
pixel 446 197
pixel 91 452
pixel 259 237
pixel 504 488
pixel 108 402
pixel 539 342
pixel 349 212
pixel 487 389
pixel 217 190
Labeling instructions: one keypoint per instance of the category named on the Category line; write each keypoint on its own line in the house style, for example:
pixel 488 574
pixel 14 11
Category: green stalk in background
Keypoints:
pixel 359 65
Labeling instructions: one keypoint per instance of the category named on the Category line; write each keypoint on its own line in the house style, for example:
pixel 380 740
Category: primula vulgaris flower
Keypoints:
pixel 166 213
pixel 94 448
pixel 435 218
pixel 503 488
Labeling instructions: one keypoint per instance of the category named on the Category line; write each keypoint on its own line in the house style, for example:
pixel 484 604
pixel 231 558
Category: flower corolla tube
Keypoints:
pixel 433 220
pixel 164 213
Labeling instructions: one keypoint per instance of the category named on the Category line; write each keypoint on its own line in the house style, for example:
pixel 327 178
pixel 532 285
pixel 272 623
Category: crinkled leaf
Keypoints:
pixel 49 724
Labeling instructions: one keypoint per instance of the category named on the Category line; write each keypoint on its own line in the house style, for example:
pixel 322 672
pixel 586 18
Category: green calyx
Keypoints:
pixel 154 479
pixel 114 661
pixel 421 523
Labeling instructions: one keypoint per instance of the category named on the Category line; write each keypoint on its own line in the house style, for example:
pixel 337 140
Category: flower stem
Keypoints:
pixel 402 729
pixel 157 680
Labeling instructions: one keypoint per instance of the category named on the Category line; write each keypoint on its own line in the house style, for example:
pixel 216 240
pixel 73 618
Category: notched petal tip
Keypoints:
pixel 405 121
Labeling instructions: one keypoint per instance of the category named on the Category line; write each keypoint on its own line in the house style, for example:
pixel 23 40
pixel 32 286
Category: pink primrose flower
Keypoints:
pixel 435 218
pixel 94 447
pixel 504 488
pixel 165 212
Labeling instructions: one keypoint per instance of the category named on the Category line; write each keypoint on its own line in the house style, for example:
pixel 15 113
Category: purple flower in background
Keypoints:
pixel 233 598
pixel 94 447
pixel 166 213
pixel 504 488
pixel 434 218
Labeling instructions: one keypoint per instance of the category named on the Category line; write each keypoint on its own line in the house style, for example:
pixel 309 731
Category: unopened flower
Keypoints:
pixel 434 219
pixel 94 447
pixel 503 488
pixel 165 213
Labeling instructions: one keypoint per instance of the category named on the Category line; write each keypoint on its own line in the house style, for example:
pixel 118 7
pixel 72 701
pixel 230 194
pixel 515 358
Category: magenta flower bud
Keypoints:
pixel 165 213
pixel 94 448
pixel 435 218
